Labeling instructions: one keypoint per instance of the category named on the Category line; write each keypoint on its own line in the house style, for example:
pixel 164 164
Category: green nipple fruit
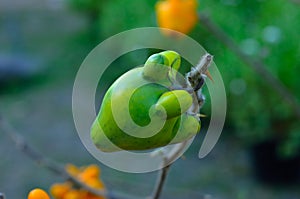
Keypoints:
pixel 141 111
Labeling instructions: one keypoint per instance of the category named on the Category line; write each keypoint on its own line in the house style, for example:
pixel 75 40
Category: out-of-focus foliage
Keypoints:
pixel 268 30
pixel 122 15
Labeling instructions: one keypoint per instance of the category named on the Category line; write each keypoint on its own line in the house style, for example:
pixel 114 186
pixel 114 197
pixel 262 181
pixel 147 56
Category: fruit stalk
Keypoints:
pixel 196 79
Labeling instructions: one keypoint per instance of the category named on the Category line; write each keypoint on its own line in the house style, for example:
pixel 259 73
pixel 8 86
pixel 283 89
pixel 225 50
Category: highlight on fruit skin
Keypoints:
pixel 38 193
pixel 178 15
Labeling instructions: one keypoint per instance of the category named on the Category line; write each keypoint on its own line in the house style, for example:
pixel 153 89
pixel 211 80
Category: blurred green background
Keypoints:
pixel 42 44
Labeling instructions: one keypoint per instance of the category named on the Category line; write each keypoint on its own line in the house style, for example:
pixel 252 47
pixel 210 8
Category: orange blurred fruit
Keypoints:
pixel 38 194
pixel 95 183
pixel 92 171
pixel 178 15
pixel 72 169
pixel 89 175
pixel 59 190
pixel 73 194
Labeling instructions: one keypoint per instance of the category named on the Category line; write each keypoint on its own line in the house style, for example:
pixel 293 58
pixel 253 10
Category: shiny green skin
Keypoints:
pixel 178 125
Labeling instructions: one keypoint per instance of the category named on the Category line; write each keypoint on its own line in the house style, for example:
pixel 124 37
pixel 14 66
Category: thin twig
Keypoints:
pixel 161 181
pixel 255 64
pixel 167 162
pixel 52 166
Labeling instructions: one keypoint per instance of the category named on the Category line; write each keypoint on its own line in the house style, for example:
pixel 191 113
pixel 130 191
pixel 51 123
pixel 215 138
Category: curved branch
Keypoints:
pixel 160 182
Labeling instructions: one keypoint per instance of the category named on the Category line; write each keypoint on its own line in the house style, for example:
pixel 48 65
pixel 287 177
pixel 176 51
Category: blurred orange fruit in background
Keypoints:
pixel 38 194
pixel 178 15
pixel 89 175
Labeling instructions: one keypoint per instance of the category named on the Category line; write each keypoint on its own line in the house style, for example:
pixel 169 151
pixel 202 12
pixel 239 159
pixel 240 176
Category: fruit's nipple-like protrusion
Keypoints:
pixel 158 66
